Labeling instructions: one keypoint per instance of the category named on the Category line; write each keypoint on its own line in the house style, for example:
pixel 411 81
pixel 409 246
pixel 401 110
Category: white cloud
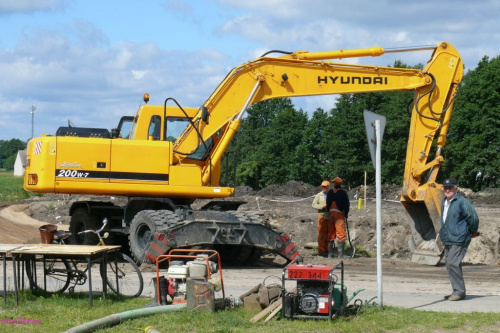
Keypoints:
pixel 177 5
pixel 27 6
pixel 76 68
pixel 333 24
pixel 138 75
pixel 94 85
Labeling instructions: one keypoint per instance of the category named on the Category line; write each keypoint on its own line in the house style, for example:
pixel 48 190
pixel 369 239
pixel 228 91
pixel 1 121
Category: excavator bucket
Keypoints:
pixel 424 218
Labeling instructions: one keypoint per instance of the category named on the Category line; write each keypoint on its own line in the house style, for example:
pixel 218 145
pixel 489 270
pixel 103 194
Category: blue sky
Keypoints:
pixel 90 61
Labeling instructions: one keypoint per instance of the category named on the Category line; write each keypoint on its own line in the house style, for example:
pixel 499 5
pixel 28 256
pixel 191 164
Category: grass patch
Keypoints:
pixel 361 251
pixel 59 313
pixel 11 188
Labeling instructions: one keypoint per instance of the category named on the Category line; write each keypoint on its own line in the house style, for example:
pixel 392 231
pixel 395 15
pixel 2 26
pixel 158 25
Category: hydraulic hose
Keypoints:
pixel 118 318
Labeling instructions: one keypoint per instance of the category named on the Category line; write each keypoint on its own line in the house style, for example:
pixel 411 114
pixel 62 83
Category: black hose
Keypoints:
pixel 275 51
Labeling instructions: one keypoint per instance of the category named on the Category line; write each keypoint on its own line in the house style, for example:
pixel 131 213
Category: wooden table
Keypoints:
pixel 5 250
pixel 89 253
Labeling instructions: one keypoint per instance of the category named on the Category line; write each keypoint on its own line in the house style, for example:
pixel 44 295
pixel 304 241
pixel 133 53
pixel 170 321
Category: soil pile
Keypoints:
pixel 288 207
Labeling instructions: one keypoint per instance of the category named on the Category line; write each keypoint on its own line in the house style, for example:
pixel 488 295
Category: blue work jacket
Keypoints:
pixel 461 222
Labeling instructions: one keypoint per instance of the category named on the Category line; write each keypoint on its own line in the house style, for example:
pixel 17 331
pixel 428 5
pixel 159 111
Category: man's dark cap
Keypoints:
pixel 449 182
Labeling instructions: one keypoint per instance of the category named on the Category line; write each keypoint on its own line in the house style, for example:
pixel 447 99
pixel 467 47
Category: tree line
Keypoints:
pixel 277 143
pixel 8 152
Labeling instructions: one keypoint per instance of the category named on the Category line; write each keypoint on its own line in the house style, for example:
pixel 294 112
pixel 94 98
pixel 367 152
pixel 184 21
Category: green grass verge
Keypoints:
pixel 11 188
pixel 60 313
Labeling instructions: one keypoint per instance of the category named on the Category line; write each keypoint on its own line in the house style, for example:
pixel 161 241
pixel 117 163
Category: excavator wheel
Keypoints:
pixel 233 255
pixel 254 257
pixel 81 220
pixel 143 227
pixel 244 255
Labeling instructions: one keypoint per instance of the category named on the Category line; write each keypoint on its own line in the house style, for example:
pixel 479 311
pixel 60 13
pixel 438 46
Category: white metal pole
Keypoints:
pixel 378 181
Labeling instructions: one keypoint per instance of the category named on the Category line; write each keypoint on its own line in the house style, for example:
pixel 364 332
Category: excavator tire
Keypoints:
pixel 233 255
pixel 248 256
pixel 81 220
pixel 143 227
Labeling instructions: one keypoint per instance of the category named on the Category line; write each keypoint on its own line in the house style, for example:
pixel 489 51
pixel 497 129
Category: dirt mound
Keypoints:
pixel 241 191
pixel 292 189
pixel 490 196
pixel 389 192
pixel 54 208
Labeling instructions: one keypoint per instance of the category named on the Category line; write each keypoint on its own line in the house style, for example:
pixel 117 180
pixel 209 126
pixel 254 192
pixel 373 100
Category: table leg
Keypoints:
pixel 5 279
pixel 16 295
pixel 104 262
pixel 89 265
pixel 116 273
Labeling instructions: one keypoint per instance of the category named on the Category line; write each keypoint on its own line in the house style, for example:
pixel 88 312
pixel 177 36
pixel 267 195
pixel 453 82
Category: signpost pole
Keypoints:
pixel 378 181
pixel 375 125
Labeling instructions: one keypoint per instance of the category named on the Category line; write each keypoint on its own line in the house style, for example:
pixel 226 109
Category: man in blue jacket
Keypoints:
pixel 459 223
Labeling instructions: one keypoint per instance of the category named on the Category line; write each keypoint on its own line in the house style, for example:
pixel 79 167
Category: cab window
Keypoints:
pixel 175 127
pixel 155 127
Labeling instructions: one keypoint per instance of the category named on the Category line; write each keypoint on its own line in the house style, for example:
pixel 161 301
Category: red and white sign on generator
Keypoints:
pixel 38 148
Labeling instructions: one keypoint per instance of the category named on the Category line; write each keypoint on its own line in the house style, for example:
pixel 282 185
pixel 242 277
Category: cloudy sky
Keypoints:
pixel 90 61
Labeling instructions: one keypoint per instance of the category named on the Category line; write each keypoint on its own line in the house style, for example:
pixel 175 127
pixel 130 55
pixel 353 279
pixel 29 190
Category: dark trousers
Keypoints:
pixel 454 255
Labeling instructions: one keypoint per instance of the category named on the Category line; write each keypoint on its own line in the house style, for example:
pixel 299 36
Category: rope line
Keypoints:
pixel 352 201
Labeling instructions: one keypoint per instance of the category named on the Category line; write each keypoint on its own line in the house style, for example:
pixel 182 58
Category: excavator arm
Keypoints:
pixel 301 74
pixel 306 74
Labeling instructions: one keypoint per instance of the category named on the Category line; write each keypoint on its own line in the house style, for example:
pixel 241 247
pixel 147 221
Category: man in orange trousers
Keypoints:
pixel 324 230
pixel 337 203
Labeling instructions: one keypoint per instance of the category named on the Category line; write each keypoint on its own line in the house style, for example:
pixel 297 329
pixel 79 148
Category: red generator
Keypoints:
pixel 317 295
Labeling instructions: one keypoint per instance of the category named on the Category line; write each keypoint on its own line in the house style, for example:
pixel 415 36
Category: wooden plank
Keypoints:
pixel 274 312
pixel 264 312
pixel 59 249
pixel 5 248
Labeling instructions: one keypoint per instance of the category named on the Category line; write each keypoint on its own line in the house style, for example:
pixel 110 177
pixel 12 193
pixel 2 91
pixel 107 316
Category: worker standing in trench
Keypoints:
pixel 337 203
pixel 324 230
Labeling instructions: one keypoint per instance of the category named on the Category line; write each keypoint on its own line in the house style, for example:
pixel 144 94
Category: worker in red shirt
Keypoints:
pixel 337 203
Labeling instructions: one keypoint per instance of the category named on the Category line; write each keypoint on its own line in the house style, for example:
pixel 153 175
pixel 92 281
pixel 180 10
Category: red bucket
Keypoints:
pixel 47 233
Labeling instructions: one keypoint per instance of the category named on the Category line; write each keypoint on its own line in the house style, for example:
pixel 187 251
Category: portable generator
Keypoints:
pixel 317 296
pixel 191 282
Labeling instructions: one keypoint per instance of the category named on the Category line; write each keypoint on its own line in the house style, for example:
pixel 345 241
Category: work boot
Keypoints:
pixel 456 297
pixel 331 247
pixel 341 250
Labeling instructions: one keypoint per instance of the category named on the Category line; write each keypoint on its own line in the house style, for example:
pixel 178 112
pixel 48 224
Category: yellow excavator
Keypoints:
pixel 165 157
